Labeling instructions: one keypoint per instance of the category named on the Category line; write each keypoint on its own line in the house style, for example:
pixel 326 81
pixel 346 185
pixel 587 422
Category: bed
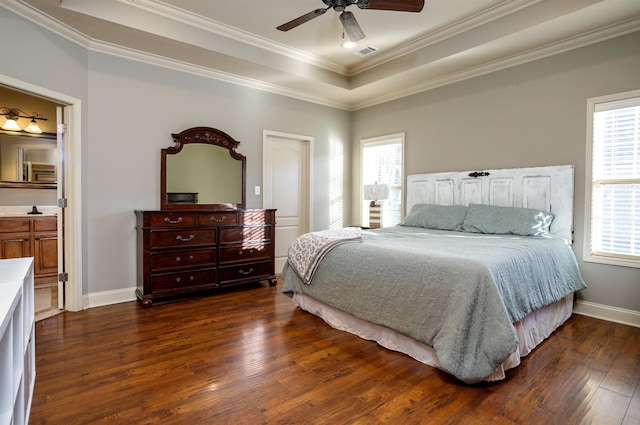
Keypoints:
pixel 478 274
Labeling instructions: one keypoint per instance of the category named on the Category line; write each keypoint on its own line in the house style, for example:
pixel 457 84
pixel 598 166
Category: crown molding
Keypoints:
pixel 221 29
pixel 37 17
pixel 595 36
pixel 481 18
pixel 176 65
pixel 585 39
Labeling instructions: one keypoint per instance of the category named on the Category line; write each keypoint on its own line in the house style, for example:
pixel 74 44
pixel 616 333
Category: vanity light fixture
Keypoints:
pixel 13 114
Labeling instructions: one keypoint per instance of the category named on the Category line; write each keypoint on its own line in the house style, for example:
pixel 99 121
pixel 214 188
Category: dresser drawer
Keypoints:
pixel 45 224
pixel 244 253
pixel 170 219
pixel 13 225
pixel 183 279
pixel 240 234
pixel 245 272
pixel 217 218
pixel 183 259
pixel 182 238
pixel 257 216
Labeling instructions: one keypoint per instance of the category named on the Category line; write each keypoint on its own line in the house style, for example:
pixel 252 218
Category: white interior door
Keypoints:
pixel 286 187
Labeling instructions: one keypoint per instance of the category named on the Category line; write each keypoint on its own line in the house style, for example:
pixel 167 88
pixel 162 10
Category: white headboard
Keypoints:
pixel 543 188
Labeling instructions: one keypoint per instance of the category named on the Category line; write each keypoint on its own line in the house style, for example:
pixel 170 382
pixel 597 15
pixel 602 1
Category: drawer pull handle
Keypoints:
pixel 212 218
pixel 250 251
pixel 168 220
pixel 178 279
pixel 247 272
pixel 178 259
pixel 183 239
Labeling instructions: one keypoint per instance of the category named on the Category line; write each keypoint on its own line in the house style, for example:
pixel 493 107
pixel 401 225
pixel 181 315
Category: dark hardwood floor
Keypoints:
pixel 249 357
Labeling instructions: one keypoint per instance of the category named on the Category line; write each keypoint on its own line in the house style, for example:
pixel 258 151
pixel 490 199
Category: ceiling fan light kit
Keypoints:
pixel 348 19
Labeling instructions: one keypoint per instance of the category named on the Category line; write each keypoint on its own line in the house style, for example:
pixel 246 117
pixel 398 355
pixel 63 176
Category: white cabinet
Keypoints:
pixel 17 340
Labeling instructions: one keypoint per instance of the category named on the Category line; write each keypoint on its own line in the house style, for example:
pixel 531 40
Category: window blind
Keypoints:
pixel 615 205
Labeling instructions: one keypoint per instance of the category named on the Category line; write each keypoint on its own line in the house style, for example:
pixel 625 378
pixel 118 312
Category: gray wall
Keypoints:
pixel 134 108
pixel 130 109
pixel 530 115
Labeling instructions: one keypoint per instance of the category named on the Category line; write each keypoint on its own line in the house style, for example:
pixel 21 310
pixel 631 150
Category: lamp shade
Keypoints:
pixel 376 192
pixel 33 127
pixel 11 125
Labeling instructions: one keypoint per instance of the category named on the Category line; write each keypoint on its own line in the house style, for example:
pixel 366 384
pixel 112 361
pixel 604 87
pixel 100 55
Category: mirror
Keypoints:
pixel 202 171
pixel 28 160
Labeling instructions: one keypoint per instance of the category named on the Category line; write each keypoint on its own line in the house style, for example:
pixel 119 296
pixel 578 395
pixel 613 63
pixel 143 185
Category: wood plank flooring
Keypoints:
pixel 249 357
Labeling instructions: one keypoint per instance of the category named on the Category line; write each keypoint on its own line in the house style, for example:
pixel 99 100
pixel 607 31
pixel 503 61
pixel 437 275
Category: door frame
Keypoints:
pixel 72 233
pixel 267 134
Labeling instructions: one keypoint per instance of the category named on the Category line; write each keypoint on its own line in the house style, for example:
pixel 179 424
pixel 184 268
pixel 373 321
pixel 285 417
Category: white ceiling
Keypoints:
pixel 237 41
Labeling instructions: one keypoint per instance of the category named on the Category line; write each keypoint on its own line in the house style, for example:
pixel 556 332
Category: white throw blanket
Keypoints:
pixel 307 250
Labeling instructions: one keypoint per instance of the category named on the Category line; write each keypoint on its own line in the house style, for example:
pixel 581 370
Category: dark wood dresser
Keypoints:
pixel 183 252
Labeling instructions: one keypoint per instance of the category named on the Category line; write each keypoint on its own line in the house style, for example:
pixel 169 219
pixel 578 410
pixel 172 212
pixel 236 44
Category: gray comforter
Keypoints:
pixel 456 292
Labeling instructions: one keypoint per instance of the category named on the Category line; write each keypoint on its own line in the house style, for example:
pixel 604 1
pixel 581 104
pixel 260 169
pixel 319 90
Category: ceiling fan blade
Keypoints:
pixel 397 5
pixel 351 26
pixel 302 19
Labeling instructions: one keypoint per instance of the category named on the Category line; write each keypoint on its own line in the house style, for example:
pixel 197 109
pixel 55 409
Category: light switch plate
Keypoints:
pixel 257 190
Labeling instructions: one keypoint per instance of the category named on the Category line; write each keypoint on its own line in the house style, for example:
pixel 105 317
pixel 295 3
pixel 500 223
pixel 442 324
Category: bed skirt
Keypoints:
pixel 531 331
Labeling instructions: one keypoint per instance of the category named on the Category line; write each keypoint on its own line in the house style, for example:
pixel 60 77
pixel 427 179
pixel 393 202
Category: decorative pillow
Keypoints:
pixel 493 219
pixel 431 216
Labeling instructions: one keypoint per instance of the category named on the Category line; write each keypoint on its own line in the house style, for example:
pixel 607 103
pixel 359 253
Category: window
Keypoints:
pixel 612 224
pixel 382 163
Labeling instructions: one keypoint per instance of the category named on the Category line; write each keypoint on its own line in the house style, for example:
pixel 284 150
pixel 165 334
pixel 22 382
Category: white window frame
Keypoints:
pixel 381 140
pixel 588 254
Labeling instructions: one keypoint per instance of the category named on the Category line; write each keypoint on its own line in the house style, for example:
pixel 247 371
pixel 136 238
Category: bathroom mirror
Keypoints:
pixel 202 171
pixel 28 161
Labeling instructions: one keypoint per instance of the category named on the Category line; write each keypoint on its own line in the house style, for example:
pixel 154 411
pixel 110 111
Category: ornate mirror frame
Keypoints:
pixel 206 136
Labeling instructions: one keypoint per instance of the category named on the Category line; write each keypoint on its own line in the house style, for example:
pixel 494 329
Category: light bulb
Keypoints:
pixel 348 44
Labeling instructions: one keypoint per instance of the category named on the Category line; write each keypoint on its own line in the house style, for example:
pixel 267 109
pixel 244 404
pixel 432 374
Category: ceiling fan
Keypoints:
pixel 348 19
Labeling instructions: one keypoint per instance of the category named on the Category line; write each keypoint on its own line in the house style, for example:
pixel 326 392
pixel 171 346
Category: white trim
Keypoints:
pixel 608 313
pixel 219 28
pixel 73 186
pixel 587 256
pixel 147 58
pixel 465 24
pixel 117 296
pixel 306 222
pixel 556 48
pixel 582 40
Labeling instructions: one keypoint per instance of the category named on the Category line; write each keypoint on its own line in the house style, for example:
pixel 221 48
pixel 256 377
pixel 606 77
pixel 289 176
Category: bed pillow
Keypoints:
pixel 493 219
pixel 441 217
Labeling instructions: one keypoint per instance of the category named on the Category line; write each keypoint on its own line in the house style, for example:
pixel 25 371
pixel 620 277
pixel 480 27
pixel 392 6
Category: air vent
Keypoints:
pixel 366 51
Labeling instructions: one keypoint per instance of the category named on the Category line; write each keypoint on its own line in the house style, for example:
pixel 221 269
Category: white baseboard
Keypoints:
pixel 98 299
pixel 605 312
pixel 585 308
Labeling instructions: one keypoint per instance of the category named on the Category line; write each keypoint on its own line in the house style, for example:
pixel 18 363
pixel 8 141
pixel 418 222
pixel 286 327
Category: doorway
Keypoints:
pixel 286 183
pixel 69 210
